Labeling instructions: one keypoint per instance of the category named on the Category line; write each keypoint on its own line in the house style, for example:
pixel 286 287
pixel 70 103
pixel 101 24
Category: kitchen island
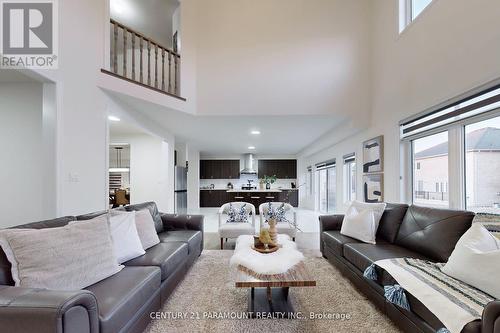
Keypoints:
pixel 218 197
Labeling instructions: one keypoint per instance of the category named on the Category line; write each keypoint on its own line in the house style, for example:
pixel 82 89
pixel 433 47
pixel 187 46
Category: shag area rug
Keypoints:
pixel 207 301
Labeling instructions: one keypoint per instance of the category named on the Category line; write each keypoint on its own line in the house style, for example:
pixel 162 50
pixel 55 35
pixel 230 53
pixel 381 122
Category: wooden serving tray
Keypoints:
pixel 260 248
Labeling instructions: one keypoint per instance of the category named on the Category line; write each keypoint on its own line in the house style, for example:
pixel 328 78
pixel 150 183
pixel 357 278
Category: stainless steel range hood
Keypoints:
pixel 249 165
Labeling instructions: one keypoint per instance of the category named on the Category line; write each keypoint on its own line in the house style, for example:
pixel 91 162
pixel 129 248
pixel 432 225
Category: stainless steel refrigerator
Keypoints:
pixel 180 190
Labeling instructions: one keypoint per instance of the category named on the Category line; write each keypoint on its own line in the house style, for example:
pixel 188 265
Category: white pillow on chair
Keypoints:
pixel 476 260
pixel 361 221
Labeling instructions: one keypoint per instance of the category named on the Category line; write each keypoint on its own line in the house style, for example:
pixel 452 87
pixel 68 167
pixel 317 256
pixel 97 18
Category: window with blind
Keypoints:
pixel 455 153
pixel 349 177
pixel 327 186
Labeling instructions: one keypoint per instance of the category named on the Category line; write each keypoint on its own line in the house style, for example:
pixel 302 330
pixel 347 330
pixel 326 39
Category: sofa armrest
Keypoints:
pixel 330 222
pixel 41 310
pixel 176 222
pixel 327 223
pixel 491 318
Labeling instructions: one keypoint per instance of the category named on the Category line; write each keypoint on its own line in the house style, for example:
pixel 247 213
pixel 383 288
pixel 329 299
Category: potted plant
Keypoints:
pixel 269 180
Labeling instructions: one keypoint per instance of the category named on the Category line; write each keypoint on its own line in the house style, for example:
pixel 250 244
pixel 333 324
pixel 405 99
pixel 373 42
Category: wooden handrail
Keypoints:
pixel 138 34
pixel 146 52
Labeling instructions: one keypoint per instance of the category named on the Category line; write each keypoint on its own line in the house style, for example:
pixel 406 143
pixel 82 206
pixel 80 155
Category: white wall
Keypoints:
pixel 150 169
pixel 282 56
pixel 447 51
pixel 22 176
pixel 193 180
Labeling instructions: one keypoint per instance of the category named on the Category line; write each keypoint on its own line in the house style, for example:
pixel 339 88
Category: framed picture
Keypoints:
pixel 176 42
pixel 373 187
pixel 373 155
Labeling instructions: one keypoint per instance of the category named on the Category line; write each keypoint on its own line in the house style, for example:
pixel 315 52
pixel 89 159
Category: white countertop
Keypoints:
pixel 273 190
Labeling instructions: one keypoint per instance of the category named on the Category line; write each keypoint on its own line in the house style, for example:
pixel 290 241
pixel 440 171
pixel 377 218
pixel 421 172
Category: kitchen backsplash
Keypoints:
pixel 222 183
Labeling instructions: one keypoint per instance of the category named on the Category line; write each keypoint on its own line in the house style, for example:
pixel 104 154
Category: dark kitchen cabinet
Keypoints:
pixel 219 169
pixel 214 198
pixel 255 198
pixel 290 196
pixel 283 169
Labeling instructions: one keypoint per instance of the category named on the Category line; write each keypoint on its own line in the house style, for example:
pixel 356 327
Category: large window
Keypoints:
pixel 322 190
pixel 309 181
pixel 349 178
pixel 430 170
pixel 417 6
pixel 327 187
pixel 332 189
pixel 409 10
pixel 482 166
pixel 454 151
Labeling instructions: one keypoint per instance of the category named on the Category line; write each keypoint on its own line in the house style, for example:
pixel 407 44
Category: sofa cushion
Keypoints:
pixel 65 258
pixel 153 209
pixel 433 232
pixel 363 255
pixel 166 256
pixel 391 221
pixel 146 229
pixel 192 237
pixel 121 296
pixel 335 241
pixel 5 267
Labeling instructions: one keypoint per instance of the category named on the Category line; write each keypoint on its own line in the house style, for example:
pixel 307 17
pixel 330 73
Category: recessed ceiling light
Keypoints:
pixel 251 147
pixel 255 132
pixel 113 118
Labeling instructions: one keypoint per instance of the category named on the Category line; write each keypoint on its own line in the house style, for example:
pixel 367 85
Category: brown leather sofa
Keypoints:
pixel 415 232
pixel 120 303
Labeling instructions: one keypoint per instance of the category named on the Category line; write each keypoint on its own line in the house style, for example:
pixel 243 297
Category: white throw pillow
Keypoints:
pixel 377 208
pixel 66 258
pixel 361 221
pixel 126 241
pixel 359 225
pixel 476 260
pixel 146 229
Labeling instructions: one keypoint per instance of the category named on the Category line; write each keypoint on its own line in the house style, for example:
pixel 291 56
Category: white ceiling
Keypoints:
pixel 12 75
pixel 221 135
pixel 123 128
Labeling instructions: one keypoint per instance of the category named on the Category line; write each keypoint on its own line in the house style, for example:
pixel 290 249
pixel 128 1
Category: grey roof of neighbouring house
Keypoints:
pixel 487 138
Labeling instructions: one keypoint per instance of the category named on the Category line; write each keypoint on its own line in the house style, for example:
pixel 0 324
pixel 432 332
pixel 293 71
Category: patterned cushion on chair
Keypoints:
pixel 237 215
pixel 278 213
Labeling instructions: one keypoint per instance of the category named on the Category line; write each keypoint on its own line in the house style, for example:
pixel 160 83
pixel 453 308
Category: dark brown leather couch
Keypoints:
pixel 120 303
pixel 415 232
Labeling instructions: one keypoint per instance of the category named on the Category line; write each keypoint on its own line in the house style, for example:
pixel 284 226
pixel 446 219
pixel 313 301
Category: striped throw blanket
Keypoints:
pixel 453 302
pixel 490 221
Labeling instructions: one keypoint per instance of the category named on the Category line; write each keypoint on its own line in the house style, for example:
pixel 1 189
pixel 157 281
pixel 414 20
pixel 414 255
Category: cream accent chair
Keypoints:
pixel 287 228
pixel 233 230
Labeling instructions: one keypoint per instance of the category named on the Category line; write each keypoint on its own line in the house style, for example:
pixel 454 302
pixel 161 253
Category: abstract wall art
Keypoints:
pixel 373 155
pixel 373 187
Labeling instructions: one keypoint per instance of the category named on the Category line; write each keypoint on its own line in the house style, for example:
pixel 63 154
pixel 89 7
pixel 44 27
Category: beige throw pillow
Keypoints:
pixel 146 229
pixel 66 258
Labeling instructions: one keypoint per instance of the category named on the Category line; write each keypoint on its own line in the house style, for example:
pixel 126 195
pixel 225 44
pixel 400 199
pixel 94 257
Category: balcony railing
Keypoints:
pixel 139 59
